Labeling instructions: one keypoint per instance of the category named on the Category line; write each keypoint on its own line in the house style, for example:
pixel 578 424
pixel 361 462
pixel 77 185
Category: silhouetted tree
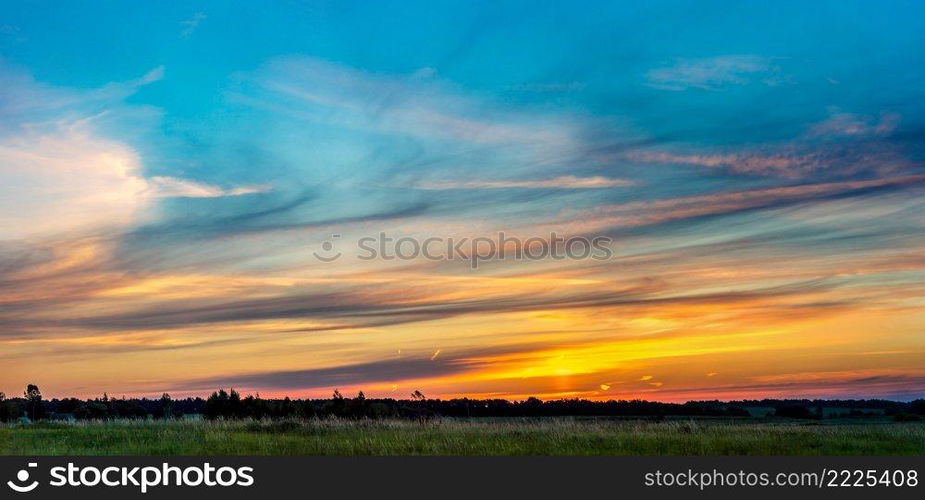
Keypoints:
pixel 357 408
pixel 337 406
pixel 166 406
pixel 217 406
pixel 34 402
pixel 235 408
pixel 230 404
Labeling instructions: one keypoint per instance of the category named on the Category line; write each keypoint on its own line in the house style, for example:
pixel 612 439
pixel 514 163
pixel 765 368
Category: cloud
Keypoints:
pixel 190 25
pixel 852 125
pixel 152 76
pixel 387 305
pixel 649 213
pixel 371 372
pixel 401 105
pixel 27 102
pixel 425 73
pixel 172 187
pixel 61 174
pixel 714 73
pixel 549 87
pixel 562 182
pixel 66 178
pixel 883 383
pixel 338 131
pixel 794 161
pixel 783 164
pixel 380 129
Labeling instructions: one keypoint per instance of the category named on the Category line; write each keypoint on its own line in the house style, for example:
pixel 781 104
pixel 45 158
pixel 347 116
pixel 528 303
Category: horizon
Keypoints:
pixel 727 200
pixel 410 397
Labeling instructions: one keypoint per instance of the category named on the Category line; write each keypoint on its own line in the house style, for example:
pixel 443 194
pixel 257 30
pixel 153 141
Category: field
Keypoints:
pixel 462 437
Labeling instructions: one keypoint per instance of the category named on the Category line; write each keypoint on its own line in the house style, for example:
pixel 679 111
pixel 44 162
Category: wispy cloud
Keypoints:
pixel 403 105
pixel 886 383
pixel 23 100
pixel 715 73
pixel 549 87
pixel 371 372
pixel 172 187
pixel 852 125
pixel 648 213
pixel 62 173
pixel 563 182
pixel 790 164
pixel 407 129
pixel 797 160
pixel 190 25
pixel 378 130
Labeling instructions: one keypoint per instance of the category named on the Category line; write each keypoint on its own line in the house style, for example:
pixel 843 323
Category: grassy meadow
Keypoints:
pixel 551 436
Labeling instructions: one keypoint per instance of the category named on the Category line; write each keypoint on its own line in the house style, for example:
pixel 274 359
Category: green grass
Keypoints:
pixel 461 437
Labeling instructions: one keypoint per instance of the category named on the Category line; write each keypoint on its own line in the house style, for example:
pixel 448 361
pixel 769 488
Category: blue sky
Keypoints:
pixel 153 151
pixel 611 66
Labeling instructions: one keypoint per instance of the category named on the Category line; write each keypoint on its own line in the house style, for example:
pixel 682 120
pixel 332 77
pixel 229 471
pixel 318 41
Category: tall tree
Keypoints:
pixel 166 406
pixel 34 402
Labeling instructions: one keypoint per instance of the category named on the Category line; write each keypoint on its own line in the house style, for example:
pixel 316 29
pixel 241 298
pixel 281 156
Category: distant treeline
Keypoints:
pixel 231 405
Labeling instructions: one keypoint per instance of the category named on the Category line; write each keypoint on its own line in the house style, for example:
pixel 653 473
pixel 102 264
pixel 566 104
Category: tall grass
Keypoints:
pixel 560 436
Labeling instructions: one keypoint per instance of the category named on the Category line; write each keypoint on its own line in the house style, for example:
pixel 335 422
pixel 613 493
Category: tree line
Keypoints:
pixel 230 404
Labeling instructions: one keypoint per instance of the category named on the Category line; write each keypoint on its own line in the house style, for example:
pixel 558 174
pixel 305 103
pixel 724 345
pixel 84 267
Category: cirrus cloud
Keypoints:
pixel 562 182
pixel 715 73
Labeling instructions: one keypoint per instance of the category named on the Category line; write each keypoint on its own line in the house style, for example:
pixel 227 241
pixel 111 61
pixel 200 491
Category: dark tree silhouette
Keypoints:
pixel 229 404
pixel 223 404
pixel 166 406
pixel 34 402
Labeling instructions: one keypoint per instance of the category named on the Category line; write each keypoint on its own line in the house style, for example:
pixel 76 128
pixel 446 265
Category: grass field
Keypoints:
pixel 461 437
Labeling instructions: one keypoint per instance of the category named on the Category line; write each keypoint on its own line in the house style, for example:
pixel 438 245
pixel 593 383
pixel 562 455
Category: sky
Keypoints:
pixel 184 186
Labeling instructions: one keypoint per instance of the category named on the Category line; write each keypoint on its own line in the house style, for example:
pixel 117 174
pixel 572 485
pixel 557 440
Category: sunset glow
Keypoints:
pixel 169 200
